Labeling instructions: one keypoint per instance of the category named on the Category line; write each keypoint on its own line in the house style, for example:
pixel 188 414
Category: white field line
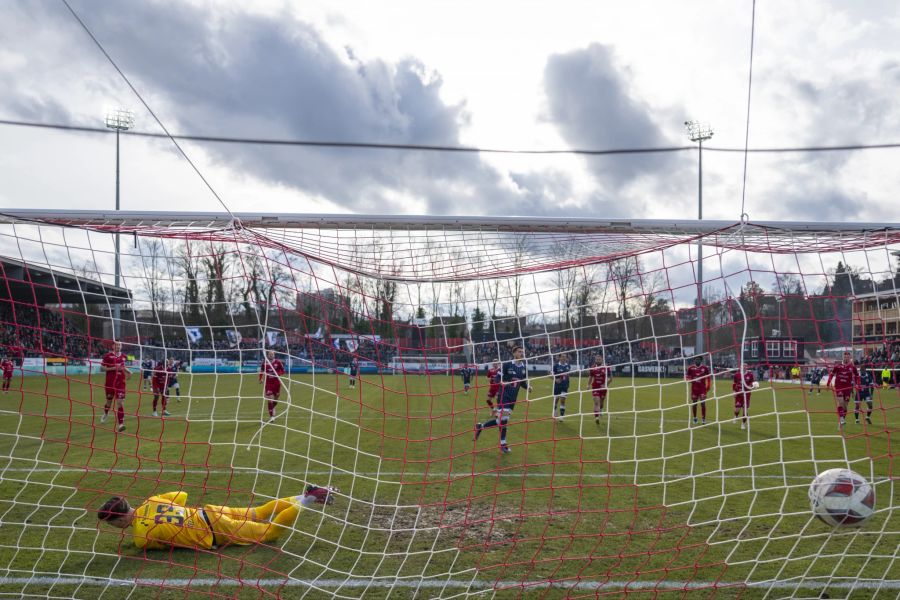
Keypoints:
pixel 435 475
pixel 359 582
pixel 302 413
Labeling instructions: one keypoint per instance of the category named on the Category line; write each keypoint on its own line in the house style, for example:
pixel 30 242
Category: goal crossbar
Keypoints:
pixel 129 218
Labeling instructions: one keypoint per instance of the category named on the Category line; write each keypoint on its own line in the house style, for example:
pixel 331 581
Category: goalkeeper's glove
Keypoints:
pixel 318 495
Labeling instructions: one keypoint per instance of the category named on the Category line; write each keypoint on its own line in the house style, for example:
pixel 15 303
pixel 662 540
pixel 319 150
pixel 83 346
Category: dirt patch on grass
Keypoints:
pixel 463 523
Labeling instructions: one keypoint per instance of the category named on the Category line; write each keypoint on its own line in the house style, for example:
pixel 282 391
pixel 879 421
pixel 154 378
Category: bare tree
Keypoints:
pixel 624 274
pixel 522 248
pixel 251 293
pixel 457 291
pixel 492 288
pixel 566 280
pixel 189 266
pixel 650 301
pixel 216 265
pixel 154 273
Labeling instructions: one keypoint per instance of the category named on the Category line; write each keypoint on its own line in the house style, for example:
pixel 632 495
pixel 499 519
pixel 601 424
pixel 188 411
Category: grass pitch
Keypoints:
pixel 643 499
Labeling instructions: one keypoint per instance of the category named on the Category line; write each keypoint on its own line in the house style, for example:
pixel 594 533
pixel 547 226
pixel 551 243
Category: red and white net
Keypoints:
pixel 374 322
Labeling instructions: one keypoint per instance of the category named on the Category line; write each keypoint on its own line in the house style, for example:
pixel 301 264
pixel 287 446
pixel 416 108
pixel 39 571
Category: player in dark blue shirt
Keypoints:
pixel 172 380
pixel 146 372
pixel 815 379
pixel 466 373
pixel 561 385
pixel 513 376
pixel 354 372
pixel 864 392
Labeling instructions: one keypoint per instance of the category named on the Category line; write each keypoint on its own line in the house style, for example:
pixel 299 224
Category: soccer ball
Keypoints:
pixel 755 385
pixel 841 497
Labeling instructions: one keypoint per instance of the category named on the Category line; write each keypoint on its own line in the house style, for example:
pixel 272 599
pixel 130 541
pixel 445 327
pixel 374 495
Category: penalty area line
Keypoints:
pixel 654 477
pixel 360 582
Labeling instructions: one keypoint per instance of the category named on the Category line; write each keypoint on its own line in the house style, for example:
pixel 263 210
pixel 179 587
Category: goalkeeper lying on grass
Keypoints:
pixel 163 521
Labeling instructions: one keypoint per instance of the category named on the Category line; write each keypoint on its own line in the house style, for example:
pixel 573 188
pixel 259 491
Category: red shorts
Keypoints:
pixel 741 400
pixel 7 377
pixel 273 390
pixel 697 396
pixel 844 394
pixel 160 390
pixel 599 393
pixel 114 392
pixel 493 391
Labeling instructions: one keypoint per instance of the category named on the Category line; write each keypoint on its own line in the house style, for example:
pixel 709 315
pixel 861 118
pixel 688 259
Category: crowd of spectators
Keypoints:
pixel 30 331
pixel 614 353
pixel 314 350
pixel 886 354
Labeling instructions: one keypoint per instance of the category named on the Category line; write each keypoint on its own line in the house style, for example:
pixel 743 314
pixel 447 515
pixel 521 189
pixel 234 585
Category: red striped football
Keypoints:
pixel 842 498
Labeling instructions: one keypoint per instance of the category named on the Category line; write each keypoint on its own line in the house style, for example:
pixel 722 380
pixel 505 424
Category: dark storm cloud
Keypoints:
pixel 239 74
pixel 815 197
pixel 859 108
pixel 590 102
pixel 843 111
pixel 257 76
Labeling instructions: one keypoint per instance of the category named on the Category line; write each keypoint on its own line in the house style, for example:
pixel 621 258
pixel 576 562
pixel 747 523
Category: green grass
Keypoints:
pixel 643 497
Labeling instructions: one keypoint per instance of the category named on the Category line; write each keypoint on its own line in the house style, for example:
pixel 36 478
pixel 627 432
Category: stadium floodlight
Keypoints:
pixel 119 119
pixel 699 132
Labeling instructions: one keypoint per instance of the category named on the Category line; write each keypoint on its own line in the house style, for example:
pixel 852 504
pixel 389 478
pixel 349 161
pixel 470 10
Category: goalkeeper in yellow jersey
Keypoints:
pixel 163 521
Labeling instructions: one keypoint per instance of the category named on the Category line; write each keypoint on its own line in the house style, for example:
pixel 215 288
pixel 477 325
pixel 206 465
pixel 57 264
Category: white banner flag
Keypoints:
pixel 274 338
pixel 234 337
pixel 194 334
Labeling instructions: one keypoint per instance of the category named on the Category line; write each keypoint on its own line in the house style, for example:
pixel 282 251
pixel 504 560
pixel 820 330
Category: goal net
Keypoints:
pixel 357 353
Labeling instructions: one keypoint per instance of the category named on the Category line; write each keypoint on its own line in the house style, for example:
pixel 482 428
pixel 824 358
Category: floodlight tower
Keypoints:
pixel 119 119
pixel 699 132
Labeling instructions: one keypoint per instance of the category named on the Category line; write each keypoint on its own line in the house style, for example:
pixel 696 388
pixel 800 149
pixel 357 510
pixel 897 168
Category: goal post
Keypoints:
pixel 270 364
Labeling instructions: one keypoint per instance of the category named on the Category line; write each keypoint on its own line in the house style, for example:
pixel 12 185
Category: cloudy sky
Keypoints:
pixel 518 74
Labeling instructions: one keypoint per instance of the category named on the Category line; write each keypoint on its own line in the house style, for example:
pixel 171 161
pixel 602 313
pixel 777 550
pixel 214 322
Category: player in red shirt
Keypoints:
pixel 113 364
pixel 160 385
pixel 846 377
pixel 742 384
pixel 7 366
pixel 493 375
pixel 271 370
pixel 600 376
pixel 698 375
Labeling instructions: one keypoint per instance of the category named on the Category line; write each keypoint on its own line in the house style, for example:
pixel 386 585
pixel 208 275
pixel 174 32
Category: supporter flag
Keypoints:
pixel 337 343
pixel 194 334
pixel 274 338
pixel 352 345
pixel 234 337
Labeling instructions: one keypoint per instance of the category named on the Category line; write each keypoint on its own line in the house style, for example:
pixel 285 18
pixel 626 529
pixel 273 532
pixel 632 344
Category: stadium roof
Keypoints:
pixel 40 285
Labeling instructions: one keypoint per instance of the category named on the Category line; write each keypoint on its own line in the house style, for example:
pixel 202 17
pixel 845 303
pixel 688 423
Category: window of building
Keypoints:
pixel 754 349
pixel 789 349
pixel 773 349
